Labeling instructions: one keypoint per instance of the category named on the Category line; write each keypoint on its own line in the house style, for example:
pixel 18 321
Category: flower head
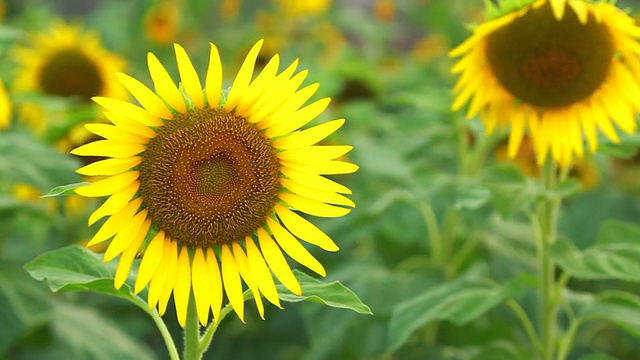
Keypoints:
pixel 207 189
pixel 560 69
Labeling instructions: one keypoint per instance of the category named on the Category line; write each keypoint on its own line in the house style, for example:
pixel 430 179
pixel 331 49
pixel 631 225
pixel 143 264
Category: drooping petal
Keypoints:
pixel 216 283
pixel 116 222
pixel 231 280
pixel 303 229
pixel 277 262
pixel 182 286
pixel 201 286
pixel 126 235
pixel 261 272
pixel 114 203
pixel 247 276
pixel 150 261
pixel 293 248
pixel 170 278
pixel 126 260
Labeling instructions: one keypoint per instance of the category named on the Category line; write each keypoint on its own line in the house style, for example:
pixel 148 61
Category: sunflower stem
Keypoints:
pixel 192 333
pixel 549 299
pixel 164 331
pixel 205 340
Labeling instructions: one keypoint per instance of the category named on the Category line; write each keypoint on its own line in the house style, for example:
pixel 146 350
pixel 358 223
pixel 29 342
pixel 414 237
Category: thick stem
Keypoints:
pixel 192 333
pixel 547 214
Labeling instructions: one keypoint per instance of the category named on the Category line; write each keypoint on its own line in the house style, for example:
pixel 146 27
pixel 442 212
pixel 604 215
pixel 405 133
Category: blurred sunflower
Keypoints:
pixel 211 178
pixel 296 8
pixel 162 21
pixel 5 108
pixel 559 68
pixel 65 61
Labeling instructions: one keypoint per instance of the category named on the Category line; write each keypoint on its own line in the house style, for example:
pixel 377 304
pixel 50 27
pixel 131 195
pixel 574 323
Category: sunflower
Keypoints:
pixel 206 189
pixel 5 108
pixel 162 22
pixel 295 8
pixel 66 61
pixel 559 69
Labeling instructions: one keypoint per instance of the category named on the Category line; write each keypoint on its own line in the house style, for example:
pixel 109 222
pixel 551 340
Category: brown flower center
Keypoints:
pixel 209 177
pixel 70 73
pixel 549 63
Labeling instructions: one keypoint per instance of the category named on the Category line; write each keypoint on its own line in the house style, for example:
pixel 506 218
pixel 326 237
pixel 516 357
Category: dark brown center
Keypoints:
pixel 549 63
pixel 70 73
pixel 209 177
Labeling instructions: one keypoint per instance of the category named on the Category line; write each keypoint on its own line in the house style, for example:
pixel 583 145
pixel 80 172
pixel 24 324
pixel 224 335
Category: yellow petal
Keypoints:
pixel 110 185
pixel 277 93
pixel 215 284
pixel 231 280
pixel 277 262
pixel 299 118
pixel 110 166
pixel 125 236
pixel 314 181
pixel 182 286
pixel 189 78
pixel 116 222
pixel 314 154
pixel 293 248
pixel 213 80
pixel 517 133
pixel 129 110
pixel 114 203
pixel 150 261
pixel 124 265
pixel 309 136
pixel 303 229
pixel 160 276
pixel 313 207
pixel 581 9
pixel 557 6
pixel 125 122
pixel 249 279
pixel 114 133
pixel 109 148
pixel 147 98
pixel 334 167
pixel 261 272
pixel 164 85
pixel 241 82
pixel 258 86
pixel 170 278
pixel 317 195
pixel 201 285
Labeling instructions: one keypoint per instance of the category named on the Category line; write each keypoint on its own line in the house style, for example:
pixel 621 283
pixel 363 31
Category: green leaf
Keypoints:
pixel 64 189
pixel 471 197
pixel 461 301
pixel 74 268
pixel 619 307
pixel 332 294
pixel 614 255
pixel 24 304
pixel 86 334
pixel 511 192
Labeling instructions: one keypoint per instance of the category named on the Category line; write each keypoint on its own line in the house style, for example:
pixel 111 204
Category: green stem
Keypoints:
pixel 192 333
pixel 205 341
pixel 164 331
pixel 433 229
pixel 565 344
pixel 461 255
pixel 525 321
pixel 547 214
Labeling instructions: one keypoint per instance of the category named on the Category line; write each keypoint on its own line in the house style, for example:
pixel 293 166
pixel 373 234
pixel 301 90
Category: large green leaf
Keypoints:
pixel 86 334
pixel 614 256
pixel 332 294
pixel 460 301
pixel 619 307
pixel 75 268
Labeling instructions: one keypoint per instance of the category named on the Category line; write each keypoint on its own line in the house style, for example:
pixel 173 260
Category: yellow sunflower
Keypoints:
pixel 214 184
pixel 295 8
pixel 561 69
pixel 65 61
pixel 5 108
pixel 162 22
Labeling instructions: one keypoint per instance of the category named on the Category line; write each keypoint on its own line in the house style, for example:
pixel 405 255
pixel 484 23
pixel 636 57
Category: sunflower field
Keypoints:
pixel 347 179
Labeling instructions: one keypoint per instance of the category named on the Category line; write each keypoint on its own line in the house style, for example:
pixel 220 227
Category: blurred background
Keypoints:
pixel 384 63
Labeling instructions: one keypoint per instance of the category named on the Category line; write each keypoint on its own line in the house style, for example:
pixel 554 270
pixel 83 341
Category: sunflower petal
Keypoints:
pixel 110 148
pixel 159 277
pixel 315 181
pixel 293 248
pixel 150 261
pixel 125 236
pixel 116 222
pixel 110 166
pixel 317 195
pixel 201 285
pixel 241 82
pixel 114 203
pixel 111 132
pixel 231 280
pixel 164 85
pixel 110 185
pixel 215 284
pixel 261 272
pixel 128 255
pixel 309 136
pixel 170 277
pixel 213 80
pixel 182 286
pixel 147 98
pixel 189 77
pixel 313 207
pixel 299 118
pixel 304 229
pixel 130 110
pixel 277 262
pixel 249 279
